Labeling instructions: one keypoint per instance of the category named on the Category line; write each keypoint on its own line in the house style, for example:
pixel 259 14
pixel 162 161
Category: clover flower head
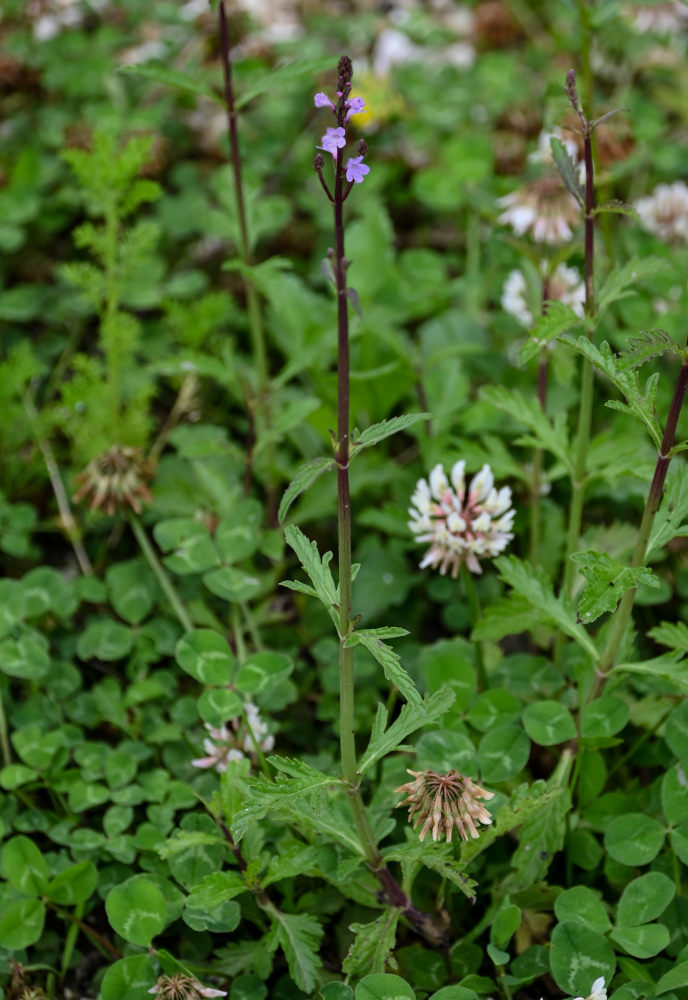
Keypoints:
pixel 235 740
pixel 356 169
pixel 442 802
pixel 543 208
pixel 565 285
pixel 463 525
pixel 597 992
pixel 665 212
pixel 182 987
pixel 117 480
pixel 658 18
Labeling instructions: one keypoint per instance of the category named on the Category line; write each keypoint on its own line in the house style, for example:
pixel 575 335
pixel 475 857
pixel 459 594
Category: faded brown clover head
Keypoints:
pixel 116 480
pixel 440 802
pixel 182 987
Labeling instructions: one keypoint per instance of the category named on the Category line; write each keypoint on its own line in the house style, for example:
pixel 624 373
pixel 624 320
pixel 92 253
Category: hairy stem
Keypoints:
pixel 151 557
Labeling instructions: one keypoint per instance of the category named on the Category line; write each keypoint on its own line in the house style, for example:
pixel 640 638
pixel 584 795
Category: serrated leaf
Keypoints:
pixel 669 667
pixel 607 581
pixel 372 945
pixel 671 634
pixel 510 615
pixel 548 326
pixel 305 477
pixel 386 428
pixel 617 207
pixel 317 568
pixel 299 937
pixel 437 856
pixel 621 282
pixel 410 718
pixel 650 344
pixel 535 586
pixel 161 72
pixel 552 436
pixel 673 510
pixel 541 836
pixel 567 170
pixel 390 662
pixel 185 840
pixel 525 802
pixel 638 404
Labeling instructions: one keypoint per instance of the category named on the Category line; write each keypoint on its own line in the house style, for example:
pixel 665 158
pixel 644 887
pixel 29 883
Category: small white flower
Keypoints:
pixel 235 740
pixel 658 18
pixel 543 153
pixel 665 211
pixel 565 285
pixel 597 992
pixel 462 526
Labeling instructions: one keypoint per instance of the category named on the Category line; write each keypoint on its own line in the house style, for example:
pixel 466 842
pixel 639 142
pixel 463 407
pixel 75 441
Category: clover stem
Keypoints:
pixel 4 739
pixel 475 614
pixel 158 569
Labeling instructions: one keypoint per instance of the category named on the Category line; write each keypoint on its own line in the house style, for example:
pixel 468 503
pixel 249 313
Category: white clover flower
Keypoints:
pixel 597 992
pixel 543 153
pixel 658 18
pixel 565 285
pixel 235 740
pixel 182 987
pixel 463 526
pixel 665 211
pixel 543 208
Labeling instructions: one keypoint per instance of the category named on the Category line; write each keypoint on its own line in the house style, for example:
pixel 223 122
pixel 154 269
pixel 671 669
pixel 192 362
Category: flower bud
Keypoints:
pixel 318 163
pixel 362 147
pixel 345 70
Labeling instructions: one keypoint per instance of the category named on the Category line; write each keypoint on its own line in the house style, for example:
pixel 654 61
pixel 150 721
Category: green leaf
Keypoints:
pixel 73 885
pixel 12 605
pixel 438 857
pixel 673 510
pixel 675 795
pixel 644 899
pixel 634 839
pixel 642 942
pixel 674 979
pixel 262 671
pixel 21 924
pixel 85 795
pixel 162 73
pixel 510 615
pixel 26 657
pixel 136 910
pixel 16 775
pixel 386 428
pixel 581 905
pixel 299 937
pixel 623 280
pixel 305 476
pixel 383 986
pixel 549 723
pixel 232 584
pixel 317 569
pixel 607 581
pixel 639 404
pixel 568 170
pixel 336 991
pixel 525 802
pixel 604 717
pixel 194 551
pixel 132 589
pixel 390 662
pixel 372 945
pixel 650 344
pixel 105 640
pixel 541 836
pixel 410 718
pixel 669 667
pixel 239 536
pixel 36 748
pixel 454 993
pixel 217 705
pixel 671 634
pixel 129 978
pixel 205 655
pixel 552 436
pixel 579 956
pixel 274 79
pixel 502 753
pixel 535 586
pixel 24 866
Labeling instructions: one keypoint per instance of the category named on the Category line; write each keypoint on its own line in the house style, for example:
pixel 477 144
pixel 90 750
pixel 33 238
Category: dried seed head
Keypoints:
pixel 438 803
pixel 182 987
pixel 116 480
pixel 318 162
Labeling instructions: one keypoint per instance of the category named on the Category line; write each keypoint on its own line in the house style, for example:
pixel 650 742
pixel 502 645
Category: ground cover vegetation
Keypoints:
pixel 343 501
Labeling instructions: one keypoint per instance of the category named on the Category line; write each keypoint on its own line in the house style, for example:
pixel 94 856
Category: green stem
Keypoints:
pixel 251 626
pixel 158 569
pixel 475 614
pixel 70 940
pixel 104 946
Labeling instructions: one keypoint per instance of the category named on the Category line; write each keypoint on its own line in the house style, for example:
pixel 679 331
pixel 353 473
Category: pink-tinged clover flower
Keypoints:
pixel 462 525
pixel 235 740
pixel 182 987
pixel 440 803
pixel 356 169
pixel 333 140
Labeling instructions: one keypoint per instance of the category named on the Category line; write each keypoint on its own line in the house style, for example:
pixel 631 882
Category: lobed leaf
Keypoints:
pixel 607 581
pixel 305 477
pixel 410 718
pixel 386 428
pixel 390 662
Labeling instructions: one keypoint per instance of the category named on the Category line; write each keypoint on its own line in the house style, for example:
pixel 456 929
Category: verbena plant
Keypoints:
pixel 542 725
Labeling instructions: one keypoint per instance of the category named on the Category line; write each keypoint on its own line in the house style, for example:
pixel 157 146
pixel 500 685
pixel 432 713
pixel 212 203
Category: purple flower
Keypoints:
pixel 333 140
pixel 356 170
pixel 356 106
pixel 323 101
